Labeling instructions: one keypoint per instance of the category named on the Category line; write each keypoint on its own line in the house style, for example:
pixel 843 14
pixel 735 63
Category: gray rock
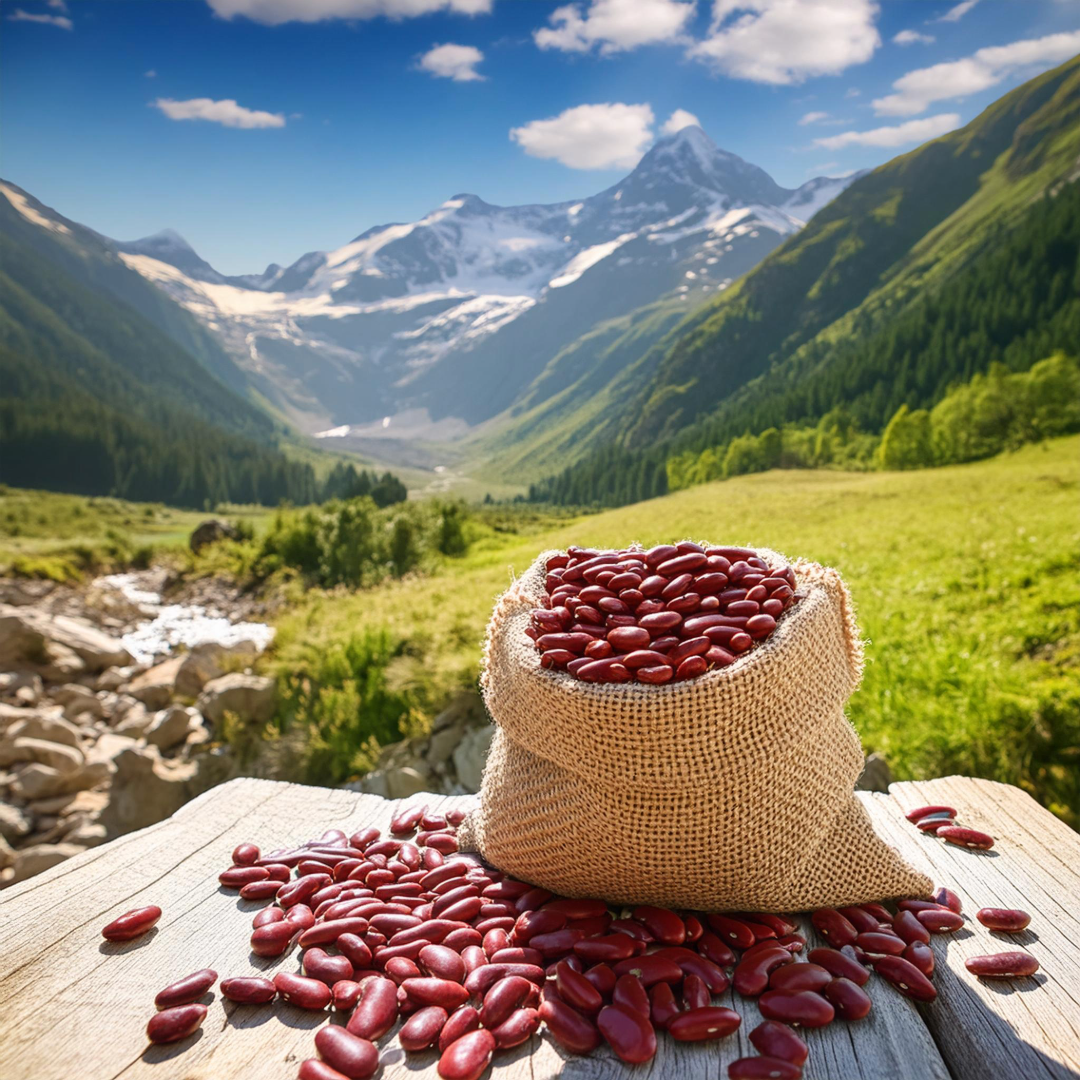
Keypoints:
pixel 170 727
pixel 40 726
pixel 212 532
pixel 876 774
pixel 88 834
pixel 470 755
pixel 10 715
pixel 250 697
pixel 14 823
pixel 210 661
pixel 115 677
pixel 373 784
pixel 108 748
pixel 37 782
pixel 135 720
pixel 27 635
pixel 145 789
pixel 8 854
pixel 64 759
pixel 80 702
pixel 33 860
pixel 405 781
pixel 21 687
pixel 155 688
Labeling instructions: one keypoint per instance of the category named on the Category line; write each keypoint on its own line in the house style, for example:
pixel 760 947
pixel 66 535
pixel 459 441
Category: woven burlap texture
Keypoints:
pixel 733 791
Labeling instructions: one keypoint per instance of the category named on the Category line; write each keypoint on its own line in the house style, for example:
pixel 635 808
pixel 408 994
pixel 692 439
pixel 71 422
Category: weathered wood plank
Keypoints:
pixel 65 991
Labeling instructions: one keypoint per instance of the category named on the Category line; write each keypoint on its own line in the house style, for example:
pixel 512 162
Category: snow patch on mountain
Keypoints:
pixel 22 204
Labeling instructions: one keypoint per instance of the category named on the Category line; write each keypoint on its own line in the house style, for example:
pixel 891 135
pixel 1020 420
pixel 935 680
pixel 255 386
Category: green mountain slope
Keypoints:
pixel 920 274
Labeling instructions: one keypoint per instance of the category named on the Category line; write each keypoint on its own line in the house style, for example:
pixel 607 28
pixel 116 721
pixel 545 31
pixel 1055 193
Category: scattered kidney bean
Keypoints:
pixel 577 990
pixel 969 838
pixel 804 1008
pixel 630 993
pixel 907 926
pixel 779 1041
pixel 186 990
pixel 833 927
pixel 516 1028
pixel 796 977
pixel 249 990
pixel 569 1028
pixel 850 1000
pixel 941 921
pixel 314 1069
pixel 1008 920
pixel 245 854
pixel 628 1033
pixel 463 1021
pixel 763 1068
pixel 351 1055
pixel 467 1057
pixel 906 977
pixel 171 1025
pixel 132 924
pixel 947 898
pixel 922 956
pixel 925 811
pixel 273 938
pixel 698 1025
pixel 881 944
pixel 423 1028
pixel 1004 965
pixel 376 1011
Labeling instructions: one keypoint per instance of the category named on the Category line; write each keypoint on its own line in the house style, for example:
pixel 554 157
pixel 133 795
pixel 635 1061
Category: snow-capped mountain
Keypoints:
pixel 442 322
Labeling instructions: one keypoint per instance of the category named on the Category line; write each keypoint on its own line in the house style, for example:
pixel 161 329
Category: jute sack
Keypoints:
pixel 732 791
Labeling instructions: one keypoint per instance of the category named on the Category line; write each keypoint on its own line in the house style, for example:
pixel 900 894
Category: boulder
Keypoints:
pixel 33 860
pixel 115 677
pixel 209 661
pixel 87 834
pixel 50 728
pixel 170 727
pixel 21 687
pixel 155 688
pixel 29 635
pixel 470 755
pixel 251 697
pixel 64 759
pixel 134 721
pixel 145 789
pixel 8 854
pixel 37 782
pixel 108 748
pixel 14 823
pixel 212 532
pixel 405 781
pixel 876 774
pixel 10 715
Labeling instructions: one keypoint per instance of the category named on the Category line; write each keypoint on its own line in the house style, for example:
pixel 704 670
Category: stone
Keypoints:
pixel 29 635
pixel 8 855
pixel 250 697
pixel 64 759
pixel 21 687
pixel 404 781
pixel 10 715
pixel 211 532
pixel 37 782
pixel 115 677
pixel 51 728
pixel 62 664
pixel 155 688
pixel 135 720
pixel 108 747
pixel 89 834
pixel 170 727
pixel 145 789
pixel 373 784
pixel 470 755
pixel 14 823
pixel 876 774
pixel 209 661
pixel 80 702
pixel 33 860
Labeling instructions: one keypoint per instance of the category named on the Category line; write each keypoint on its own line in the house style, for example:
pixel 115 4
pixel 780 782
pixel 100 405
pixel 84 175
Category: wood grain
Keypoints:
pixel 67 996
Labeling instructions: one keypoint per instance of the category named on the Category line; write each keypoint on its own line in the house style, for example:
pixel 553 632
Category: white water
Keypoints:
pixel 171 625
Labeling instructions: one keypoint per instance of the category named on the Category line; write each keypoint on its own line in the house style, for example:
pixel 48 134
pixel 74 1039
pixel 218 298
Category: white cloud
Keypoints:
pixel 57 5
pixel 813 118
pixel 614 25
pixel 955 14
pixel 457 62
pixel 918 90
pixel 787 41
pixel 913 37
pixel 151 74
pixel 678 120
pixel 912 131
pixel 853 92
pixel 226 112
pixel 602 136
pixel 276 12
pixel 18 15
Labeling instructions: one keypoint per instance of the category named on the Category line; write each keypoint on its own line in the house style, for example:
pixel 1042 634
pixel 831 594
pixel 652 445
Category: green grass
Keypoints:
pixel 964 579
pixel 47 534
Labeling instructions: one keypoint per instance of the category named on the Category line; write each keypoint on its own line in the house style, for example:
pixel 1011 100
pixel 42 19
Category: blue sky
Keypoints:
pixel 262 129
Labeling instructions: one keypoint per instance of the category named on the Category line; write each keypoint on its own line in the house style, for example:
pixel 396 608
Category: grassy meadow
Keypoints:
pixel 964 578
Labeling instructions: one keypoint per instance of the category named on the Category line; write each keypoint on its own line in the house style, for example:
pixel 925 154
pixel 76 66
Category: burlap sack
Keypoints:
pixel 733 791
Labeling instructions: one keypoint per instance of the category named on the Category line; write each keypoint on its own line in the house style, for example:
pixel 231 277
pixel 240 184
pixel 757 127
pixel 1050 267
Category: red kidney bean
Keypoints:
pixel 695 993
pixel 685 604
pixel 459 939
pixel 576 990
pixel 463 1021
pixel 356 949
pixel 328 932
pixel 443 963
pixel 345 994
pixel 682 564
pixel 641 658
pixel 453 894
pixel 693 928
pixel 278 872
pixel 503 924
pixel 763 1068
pixel 171 1025
pixel 628 1033
pixel 906 977
pixel 568 1028
pixel 655 676
pixel 273 938
pixel 757 626
pixel 245 854
pixel 753 971
pixel 861 919
pixel 362 837
pixel 833 927
pixel 803 1008
pixel 599 650
pixel 351 1055
pixel 734 931
pixel 796 977
pixel 571 642
pixel 691 668
pixel 423 1028
pixel 664 925
pixel 779 1041
pixel 314 1069
pixel 604 671
pixel 907 926
pixel 302 991
pixel 604 950
pixel 661 553
pixel 942 921
pixel 794 943
pixel 473 956
pixel 132 924
pixel 1008 920
pixel 1004 965
pixel 433 991
pixel 376 1010
pixel 467 1057
pixel 601 976
pixel 533 899
pixel 924 811
pixel 301 917
pixel 400 968
pixel 663 1007
pixel 697 1025
pixel 444 843
pixel 691 964
pixel 555 943
pixel 947 898
pixel 302 890
pixel 969 838
pixel 556 658
pixel 932 823
pixel 630 993
pixel 919 905
pixel 307 867
pixel 850 1001
pixel 249 990
pixel 237 876
pixel 691 647
pixel 502 998
pixel 922 956
pixel 712 948
pixel 532 923
pixel 186 990
pixel 516 1028
pixel 880 944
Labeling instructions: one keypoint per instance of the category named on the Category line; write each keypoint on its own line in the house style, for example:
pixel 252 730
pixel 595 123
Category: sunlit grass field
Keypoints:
pixel 965 581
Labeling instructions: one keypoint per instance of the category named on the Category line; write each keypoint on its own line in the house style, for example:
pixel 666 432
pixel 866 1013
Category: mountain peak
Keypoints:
pixel 165 239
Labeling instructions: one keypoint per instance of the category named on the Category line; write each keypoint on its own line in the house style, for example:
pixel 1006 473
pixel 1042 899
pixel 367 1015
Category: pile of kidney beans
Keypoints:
pixel 475 962
pixel 666 614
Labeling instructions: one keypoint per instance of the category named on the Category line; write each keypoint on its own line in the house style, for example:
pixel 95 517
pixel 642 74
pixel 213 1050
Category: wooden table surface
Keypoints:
pixel 73 1005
